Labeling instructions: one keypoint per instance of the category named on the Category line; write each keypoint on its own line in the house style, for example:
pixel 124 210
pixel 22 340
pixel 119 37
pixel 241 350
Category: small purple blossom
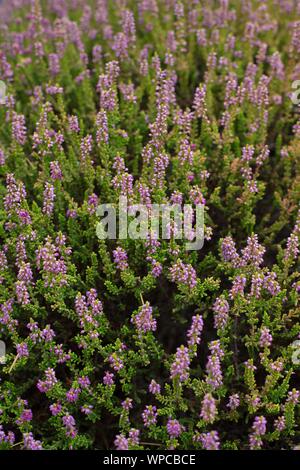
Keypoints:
pixel 120 258
pixel 49 196
pixel 55 408
pixel 180 366
pixel 121 443
pixel 22 350
pixel 265 338
pixel 210 440
pixel 149 416
pixel 174 428
pixel 154 387
pixel 30 443
pixel 183 274
pixel 208 408
pixel 221 309
pixel 194 333
pixel 144 320
pixel 108 378
pixel 70 425
pixel 233 402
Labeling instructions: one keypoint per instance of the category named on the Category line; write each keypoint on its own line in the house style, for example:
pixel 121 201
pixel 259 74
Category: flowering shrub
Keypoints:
pixel 142 344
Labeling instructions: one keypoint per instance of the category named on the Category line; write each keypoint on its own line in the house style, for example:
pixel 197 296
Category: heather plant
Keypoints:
pixel 140 343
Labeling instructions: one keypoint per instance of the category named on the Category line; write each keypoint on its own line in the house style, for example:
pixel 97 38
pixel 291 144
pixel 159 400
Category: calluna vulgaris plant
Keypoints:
pixel 141 344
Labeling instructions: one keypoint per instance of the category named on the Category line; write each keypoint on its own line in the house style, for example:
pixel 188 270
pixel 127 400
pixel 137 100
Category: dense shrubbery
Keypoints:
pixel 133 344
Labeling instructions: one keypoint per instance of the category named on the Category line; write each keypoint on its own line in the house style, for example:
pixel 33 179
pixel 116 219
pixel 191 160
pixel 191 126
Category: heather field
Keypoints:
pixel 142 342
